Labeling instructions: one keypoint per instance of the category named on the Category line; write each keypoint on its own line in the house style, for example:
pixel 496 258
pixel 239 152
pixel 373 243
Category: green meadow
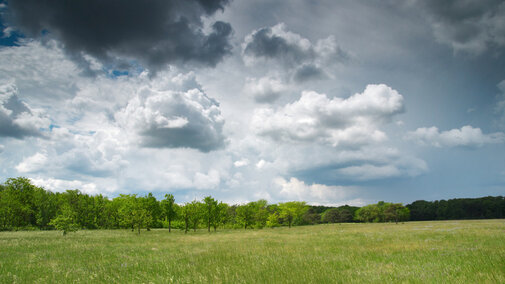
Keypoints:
pixel 417 252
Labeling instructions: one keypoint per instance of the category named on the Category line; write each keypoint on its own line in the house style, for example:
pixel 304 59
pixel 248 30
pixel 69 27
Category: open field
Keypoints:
pixel 443 251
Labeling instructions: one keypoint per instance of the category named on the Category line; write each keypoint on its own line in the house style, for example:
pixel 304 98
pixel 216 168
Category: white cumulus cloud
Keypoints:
pixel 241 163
pixel 60 185
pixel 466 136
pixel 336 121
pixel 207 181
pixel 265 89
pixel 174 119
pixel 33 163
pixel 295 189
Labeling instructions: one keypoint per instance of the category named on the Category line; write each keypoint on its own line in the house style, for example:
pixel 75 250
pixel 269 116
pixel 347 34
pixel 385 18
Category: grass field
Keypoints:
pixel 444 251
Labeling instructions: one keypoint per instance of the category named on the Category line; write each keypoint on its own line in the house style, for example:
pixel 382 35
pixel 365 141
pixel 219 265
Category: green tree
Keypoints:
pixel 195 213
pixel 292 211
pixel 331 215
pixel 311 217
pixel 113 213
pixel 19 203
pixel 124 206
pixel 133 212
pixel 221 214
pixel 100 211
pixel 153 207
pixel 396 212
pixel 231 216
pixel 142 217
pixel 345 216
pixel 12 211
pixel 169 208
pixel 273 220
pixel 65 221
pixel 337 215
pixel 245 214
pixel 209 211
pixel 185 215
pixel 383 212
pixel 261 213
pixel 368 213
pixel 423 210
pixel 403 214
pixel 83 206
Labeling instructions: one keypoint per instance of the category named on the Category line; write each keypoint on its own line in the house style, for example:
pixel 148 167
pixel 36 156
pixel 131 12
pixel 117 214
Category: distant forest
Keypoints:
pixel 24 206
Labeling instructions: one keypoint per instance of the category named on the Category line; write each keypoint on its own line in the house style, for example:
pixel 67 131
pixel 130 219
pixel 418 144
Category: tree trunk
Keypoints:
pixel 169 225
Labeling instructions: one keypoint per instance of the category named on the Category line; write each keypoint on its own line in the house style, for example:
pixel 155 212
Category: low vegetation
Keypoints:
pixel 415 252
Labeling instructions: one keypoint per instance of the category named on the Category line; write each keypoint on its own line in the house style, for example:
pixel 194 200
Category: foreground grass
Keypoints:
pixel 419 252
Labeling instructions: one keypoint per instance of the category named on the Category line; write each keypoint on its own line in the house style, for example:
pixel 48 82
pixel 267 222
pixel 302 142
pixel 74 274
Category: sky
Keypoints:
pixel 328 102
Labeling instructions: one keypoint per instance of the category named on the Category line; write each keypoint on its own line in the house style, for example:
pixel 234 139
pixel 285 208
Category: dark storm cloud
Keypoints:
pixel 154 33
pixel 472 25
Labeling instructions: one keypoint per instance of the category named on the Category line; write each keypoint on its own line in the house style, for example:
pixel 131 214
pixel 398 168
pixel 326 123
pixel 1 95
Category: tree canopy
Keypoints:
pixel 26 206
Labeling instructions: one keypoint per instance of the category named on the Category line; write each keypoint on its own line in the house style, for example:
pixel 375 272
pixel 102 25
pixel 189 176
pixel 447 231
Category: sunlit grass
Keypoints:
pixel 420 252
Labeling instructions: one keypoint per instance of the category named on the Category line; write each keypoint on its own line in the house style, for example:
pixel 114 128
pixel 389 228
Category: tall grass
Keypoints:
pixel 418 252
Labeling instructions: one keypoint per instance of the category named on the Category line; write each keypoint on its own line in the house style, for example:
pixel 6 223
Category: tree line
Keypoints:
pixel 24 206
pixel 459 208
